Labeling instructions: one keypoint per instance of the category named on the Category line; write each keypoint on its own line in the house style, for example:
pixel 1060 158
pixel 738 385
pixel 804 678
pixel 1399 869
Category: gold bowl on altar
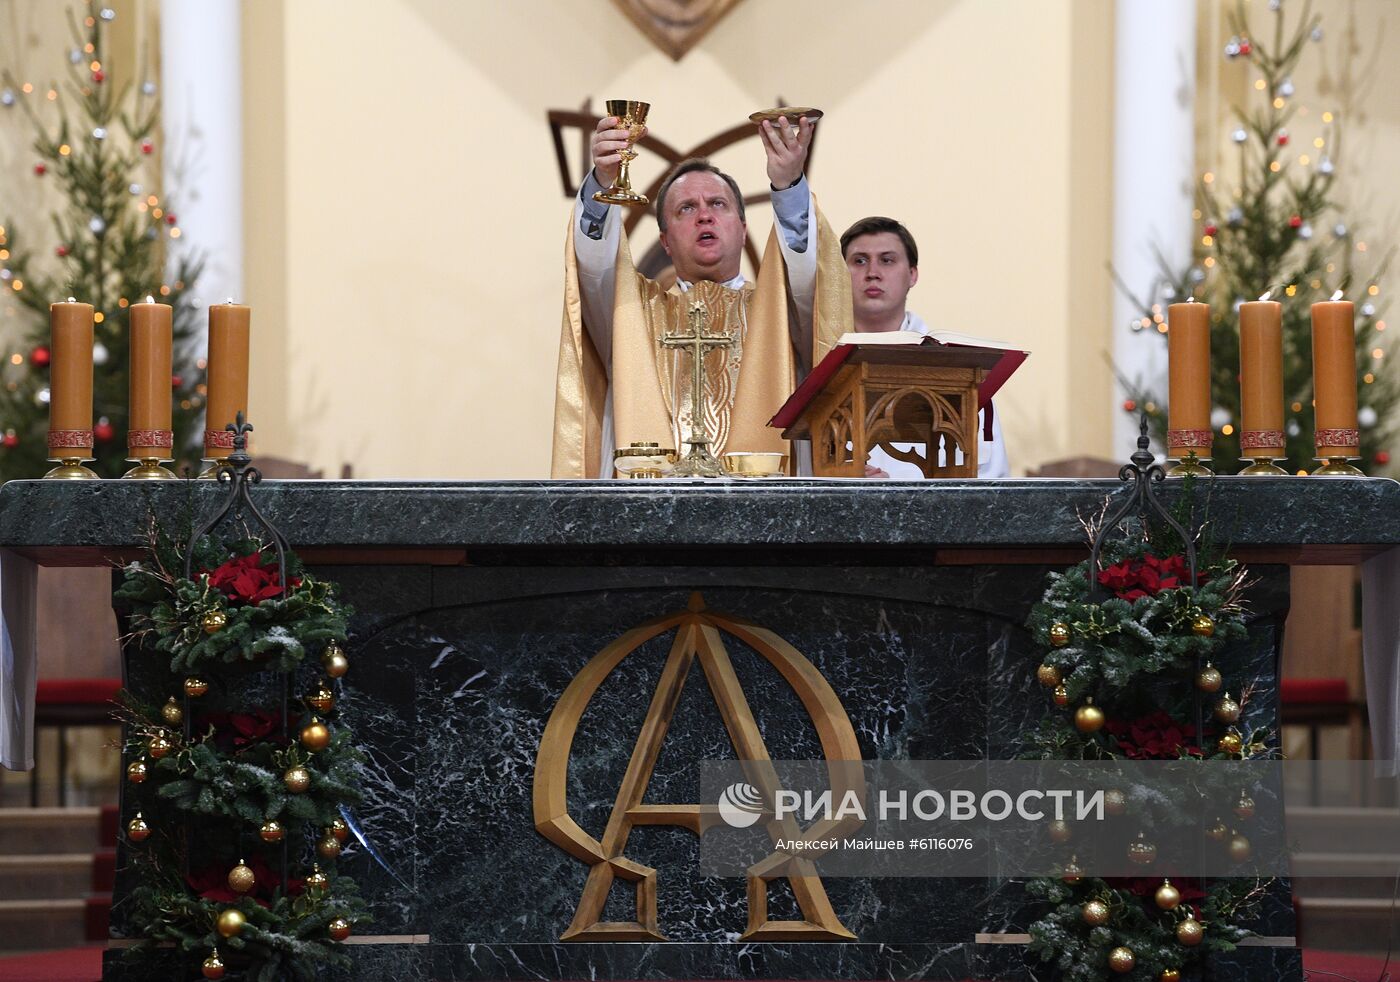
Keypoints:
pixel 742 463
pixel 644 460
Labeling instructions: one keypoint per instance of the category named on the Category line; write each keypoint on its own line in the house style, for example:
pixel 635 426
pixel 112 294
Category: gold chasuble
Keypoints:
pixel 745 384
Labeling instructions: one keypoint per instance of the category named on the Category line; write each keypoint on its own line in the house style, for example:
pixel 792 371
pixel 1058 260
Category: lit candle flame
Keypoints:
pixel 150 299
pixel 1191 298
pixel 72 300
pixel 1337 295
pixel 1267 293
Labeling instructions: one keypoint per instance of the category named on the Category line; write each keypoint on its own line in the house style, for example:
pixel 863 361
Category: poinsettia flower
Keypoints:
pixel 235 731
pixel 1146 576
pixel 1155 736
pixel 246 579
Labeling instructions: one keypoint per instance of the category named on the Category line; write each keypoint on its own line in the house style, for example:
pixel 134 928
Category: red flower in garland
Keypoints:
pixel 211 883
pixel 1155 736
pixel 245 579
pixel 235 731
pixel 1146 577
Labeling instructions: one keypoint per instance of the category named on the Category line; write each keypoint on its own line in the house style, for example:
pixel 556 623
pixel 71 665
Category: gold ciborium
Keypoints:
pixel 632 116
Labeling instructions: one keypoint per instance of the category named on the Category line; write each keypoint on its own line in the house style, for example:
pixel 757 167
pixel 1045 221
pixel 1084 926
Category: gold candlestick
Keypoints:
pixel 699 462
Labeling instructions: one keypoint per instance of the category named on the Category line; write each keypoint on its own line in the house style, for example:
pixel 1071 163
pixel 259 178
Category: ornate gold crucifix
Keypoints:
pixel 699 462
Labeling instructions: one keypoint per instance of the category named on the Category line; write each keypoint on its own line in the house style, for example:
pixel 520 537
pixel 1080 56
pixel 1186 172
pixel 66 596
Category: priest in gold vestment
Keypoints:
pixel 616 385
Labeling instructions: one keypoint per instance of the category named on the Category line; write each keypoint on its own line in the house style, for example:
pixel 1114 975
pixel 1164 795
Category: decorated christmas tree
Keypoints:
pixel 1270 223
pixel 95 139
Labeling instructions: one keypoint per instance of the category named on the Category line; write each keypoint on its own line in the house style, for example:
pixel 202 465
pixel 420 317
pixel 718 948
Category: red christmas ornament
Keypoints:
pixel 1211 230
pixel 1246 47
pixel 61 251
pixel 1295 221
pixel 40 357
pixel 10 440
pixel 1283 139
pixel 99 76
pixel 147 146
pixel 1382 457
pixel 103 431
pixel 40 170
pixel 176 381
pixel 170 218
pixel 1129 405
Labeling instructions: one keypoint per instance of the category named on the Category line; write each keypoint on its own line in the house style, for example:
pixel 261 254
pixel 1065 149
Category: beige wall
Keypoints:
pixel 405 218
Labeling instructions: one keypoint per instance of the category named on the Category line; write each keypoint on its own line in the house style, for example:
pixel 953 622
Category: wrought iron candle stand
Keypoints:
pixel 238 472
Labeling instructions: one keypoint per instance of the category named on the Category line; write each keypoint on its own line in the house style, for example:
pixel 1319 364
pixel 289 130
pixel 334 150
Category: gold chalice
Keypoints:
pixel 633 116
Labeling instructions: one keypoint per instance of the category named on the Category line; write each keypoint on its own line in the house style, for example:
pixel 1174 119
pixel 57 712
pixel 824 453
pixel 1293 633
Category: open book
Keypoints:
pixel 997 375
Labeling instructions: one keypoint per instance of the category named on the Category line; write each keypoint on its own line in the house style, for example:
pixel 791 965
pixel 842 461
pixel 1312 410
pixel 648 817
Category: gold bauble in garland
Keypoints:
pixel 1072 873
pixel 1048 676
pixel 321 700
pixel 241 878
pixel 1217 832
pixel 339 829
pixel 1202 626
pixel 271 831
pixel 231 921
pixel 318 879
pixel 1088 718
pixel 159 746
pixel 1121 960
pixel 213 967
pixel 172 713
pixel 1190 932
pixel 333 660
pixel 1094 913
pixel 1244 808
pixel 328 847
pixel 297 779
pixel 136 771
pixel 1115 802
pixel 213 621
pixel 1167 896
pixel 1060 831
pixel 1141 851
pixel 1230 743
pixel 137 830
pixel 1169 975
pixel 1061 696
pixel 1059 634
pixel 338 929
pixel 1209 679
pixel 195 686
pixel 1240 848
pixel 315 735
pixel 1227 710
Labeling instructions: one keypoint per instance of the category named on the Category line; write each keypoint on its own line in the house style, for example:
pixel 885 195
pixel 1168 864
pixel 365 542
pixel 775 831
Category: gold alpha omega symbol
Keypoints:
pixel 697 637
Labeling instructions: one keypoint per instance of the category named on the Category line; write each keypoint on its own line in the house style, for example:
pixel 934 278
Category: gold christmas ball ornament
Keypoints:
pixel 1244 808
pixel 213 621
pixel 297 779
pixel 1061 696
pixel 1217 832
pixel 1115 802
pixel 231 921
pixel 1121 960
pixel 1048 676
pixel 241 878
pixel 1059 634
pixel 1072 873
pixel 328 847
pixel 1240 849
pixel 213 967
pixel 315 735
pixel 172 713
pixel 195 686
pixel 321 700
pixel 1095 912
pixel 1060 831
pixel 1202 626
pixel 318 880
pixel 136 771
pixel 1227 710
pixel 338 929
pixel 339 829
pixel 1190 932
pixel 1169 975
pixel 137 830
pixel 1088 718
pixel 271 831
pixel 333 660
pixel 1167 896
pixel 1230 743
pixel 159 746
pixel 1141 851
pixel 1209 679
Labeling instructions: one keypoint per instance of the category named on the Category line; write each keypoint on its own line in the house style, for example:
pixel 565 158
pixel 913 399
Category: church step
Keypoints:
pixel 1364 830
pixel 30 831
pixel 46 876
pixel 28 925
pixel 1345 924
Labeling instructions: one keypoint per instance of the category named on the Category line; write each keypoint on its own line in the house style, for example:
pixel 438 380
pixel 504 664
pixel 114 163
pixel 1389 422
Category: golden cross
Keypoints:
pixel 699 462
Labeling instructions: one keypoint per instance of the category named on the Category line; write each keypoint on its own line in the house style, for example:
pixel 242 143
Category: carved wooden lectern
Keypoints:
pixel 884 394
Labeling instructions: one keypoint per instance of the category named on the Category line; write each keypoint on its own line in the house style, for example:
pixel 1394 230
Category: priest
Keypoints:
pixel 616 385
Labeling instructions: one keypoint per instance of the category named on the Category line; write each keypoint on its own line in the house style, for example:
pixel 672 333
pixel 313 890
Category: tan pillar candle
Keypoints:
pixel 1188 353
pixel 1334 379
pixel 1261 379
pixel 70 381
pixel 149 434
pixel 228 376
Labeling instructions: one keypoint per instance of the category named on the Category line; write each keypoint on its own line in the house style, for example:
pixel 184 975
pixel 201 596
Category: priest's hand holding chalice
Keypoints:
pixel 613 140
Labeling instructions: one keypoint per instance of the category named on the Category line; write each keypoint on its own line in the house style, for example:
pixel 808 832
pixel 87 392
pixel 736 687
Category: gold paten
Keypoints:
pixel 791 113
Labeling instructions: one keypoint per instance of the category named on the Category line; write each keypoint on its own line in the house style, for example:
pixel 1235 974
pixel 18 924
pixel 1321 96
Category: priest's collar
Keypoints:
pixel 737 283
